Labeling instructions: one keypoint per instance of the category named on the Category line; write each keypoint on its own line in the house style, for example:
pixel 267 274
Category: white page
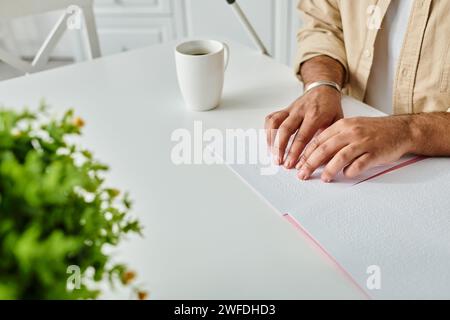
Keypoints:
pixel 399 221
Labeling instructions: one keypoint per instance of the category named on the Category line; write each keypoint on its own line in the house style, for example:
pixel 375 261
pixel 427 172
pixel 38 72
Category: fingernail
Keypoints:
pixel 276 160
pixel 288 164
pixel 302 175
pixel 326 179
pixel 298 166
pixel 274 151
pixel 280 158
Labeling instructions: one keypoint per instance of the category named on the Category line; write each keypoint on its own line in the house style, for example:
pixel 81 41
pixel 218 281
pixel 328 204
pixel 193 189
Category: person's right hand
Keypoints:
pixel 312 112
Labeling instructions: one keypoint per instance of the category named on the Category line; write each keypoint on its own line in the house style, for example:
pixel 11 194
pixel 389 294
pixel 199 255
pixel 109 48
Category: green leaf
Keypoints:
pixel 53 212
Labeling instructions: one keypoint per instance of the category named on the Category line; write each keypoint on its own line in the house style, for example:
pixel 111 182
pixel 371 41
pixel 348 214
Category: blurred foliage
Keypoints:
pixel 55 211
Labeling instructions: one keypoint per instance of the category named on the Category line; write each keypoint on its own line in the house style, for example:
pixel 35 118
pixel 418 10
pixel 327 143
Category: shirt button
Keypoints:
pixel 367 53
pixel 404 72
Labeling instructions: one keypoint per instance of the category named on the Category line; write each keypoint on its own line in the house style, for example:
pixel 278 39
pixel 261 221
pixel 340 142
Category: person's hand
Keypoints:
pixel 355 145
pixel 312 112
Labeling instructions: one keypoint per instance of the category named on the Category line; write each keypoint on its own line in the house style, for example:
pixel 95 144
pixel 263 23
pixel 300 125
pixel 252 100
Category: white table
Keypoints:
pixel 207 235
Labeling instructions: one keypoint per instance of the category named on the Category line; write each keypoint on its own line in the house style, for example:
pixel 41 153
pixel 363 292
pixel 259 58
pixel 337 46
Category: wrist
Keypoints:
pixel 322 68
pixel 322 83
pixel 414 134
pixel 324 91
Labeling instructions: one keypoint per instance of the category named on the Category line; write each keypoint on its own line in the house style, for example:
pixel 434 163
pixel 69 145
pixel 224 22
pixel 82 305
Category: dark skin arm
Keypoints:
pixel 349 145
pixel 355 145
pixel 308 114
pixel 430 134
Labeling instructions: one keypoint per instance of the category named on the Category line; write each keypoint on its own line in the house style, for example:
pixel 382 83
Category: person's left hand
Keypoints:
pixel 355 145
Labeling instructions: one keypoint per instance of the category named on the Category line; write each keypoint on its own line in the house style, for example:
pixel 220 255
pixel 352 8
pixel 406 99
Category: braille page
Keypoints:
pixel 398 221
pixel 395 218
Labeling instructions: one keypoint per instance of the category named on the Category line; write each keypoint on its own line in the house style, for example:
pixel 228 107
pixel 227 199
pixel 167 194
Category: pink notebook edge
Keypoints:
pixel 294 222
pixel 316 244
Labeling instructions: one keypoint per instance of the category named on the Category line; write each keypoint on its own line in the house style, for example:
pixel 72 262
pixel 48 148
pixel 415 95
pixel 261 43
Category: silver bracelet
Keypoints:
pixel 317 84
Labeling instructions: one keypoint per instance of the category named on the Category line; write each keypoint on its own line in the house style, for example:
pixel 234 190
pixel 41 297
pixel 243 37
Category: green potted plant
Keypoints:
pixel 56 215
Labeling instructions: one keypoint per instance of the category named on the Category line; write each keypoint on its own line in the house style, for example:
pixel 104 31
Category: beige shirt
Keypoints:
pixel 346 30
pixel 388 45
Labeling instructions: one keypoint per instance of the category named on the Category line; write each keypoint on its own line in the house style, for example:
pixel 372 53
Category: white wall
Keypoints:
pixel 275 20
pixel 129 24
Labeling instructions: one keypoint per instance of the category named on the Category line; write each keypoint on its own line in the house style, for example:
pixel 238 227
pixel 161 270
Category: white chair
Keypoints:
pixel 10 9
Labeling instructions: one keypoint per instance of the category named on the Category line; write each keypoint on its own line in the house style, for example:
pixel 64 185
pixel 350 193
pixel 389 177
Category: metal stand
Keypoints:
pixel 247 25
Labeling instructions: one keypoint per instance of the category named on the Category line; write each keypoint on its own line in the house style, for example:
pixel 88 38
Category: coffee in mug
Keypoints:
pixel 201 66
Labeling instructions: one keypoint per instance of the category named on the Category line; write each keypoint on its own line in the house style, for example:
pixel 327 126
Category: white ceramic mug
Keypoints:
pixel 201 66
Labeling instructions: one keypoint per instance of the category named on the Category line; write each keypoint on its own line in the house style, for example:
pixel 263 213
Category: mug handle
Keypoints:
pixel 227 54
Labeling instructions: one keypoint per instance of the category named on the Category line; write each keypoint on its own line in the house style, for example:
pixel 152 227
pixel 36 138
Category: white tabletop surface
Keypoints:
pixel 207 235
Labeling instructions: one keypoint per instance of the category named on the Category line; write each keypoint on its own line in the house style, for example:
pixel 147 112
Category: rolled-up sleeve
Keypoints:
pixel 321 33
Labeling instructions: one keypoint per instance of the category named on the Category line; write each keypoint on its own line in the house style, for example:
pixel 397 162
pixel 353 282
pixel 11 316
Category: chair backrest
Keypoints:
pixel 73 9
